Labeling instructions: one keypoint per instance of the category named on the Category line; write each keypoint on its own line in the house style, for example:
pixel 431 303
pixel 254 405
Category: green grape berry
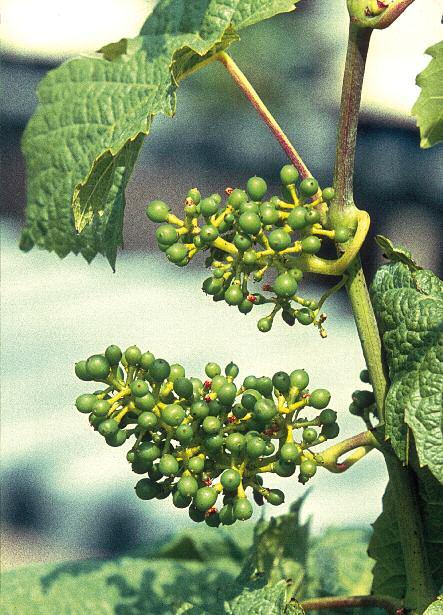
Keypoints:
pixel 196 515
pixel 132 356
pixel 319 399
pixel 147 452
pixel 311 244
pixel 212 286
pixel 235 443
pixel 269 214
pixel 147 402
pixel 231 370
pixel 146 360
pixel 264 324
pixel 166 234
pixel 364 376
pixel 255 447
pixel 113 354
pixel 184 433
pixel 312 216
pixel 147 420
pixel 265 410
pixel 108 427
pixel 250 223
pixel 205 498
pixel 309 435
pixel 199 410
pixel 256 188
pixel 275 497
pixel 227 393
pixel 285 285
pixel 146 489
pixel 328 416
pixel 168 465
pixel 226 514
pixel 85 403
pixel 211 425
pixel 250 382
pixel 281 382
pixel 157 211
pixel 208 233
pixel 342 234
pixel 173 415
pixel 242 509
pixel 279 239
pixel 242 242
pixel 194 195
pixel 250 257
pixel 208 207
pixel 304 316
pixel 177 371
pixel 297 218
pixel 284 469
pixel 363 399
pixel 236 198
pixel 101 407
pixel 139 388
pixel 308 468
pixel 233 295
pixel 98 367
pixel 160 370
pixel 330 431
pixel 288 175
pixel 187 486
pixel 230 479
pixel 117 439
pixel 289 453
pixel 177 252
pixel 196 465
pixel 81 371
pixel 212 370
pixel 309 186
pixel 180 501
pixel 299 378
pixel 328 193
pixel 265 386
pixel 183 387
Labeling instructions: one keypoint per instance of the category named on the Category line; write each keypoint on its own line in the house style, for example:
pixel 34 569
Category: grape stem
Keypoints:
pixel 246 87
pixel 361 444
pixel 390 605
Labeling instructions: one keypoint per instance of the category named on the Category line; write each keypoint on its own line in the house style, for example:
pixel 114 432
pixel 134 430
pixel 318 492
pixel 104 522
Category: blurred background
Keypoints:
pixel 64 493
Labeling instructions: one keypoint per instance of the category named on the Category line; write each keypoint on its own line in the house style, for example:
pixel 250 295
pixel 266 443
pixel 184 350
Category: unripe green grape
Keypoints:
pixel 242 509
pixel 160 370
pixel 180 501
pixel 319 399
pixel 249 206
pixel 241 242
pixel 154 473
pixel 146 360
pixel 304 316
pixel 230 479
pixel 312 216
pixel 147 452
pixel 227 393
pixel 139 467
pixel 117 439
pixel 239 411
pixel 132 356
pixel 108 427
pixel 183 387
pixel 363 399
pixel 245 306
pixel 198 243
pixel 250 257
pixel 177 371
pixel 265 410
pixel 250 223
pixel 299 378
pixel 213 443
pixel 187 486
pixel 194 195
pixel 146 489
pixel 288 174
pixel 256 188
pixel 284 469
pixel 147 420
pixel 157 211
pixel 328 416
pixel 309 435
pixel 113 354
pixel 269 214
pixel 311 244
pixel 297 218
pixel 196 515
pixel 328 193
pixel 139 388
pixel 248 401
pixel 233 295
pixel 211 425
pixel 364 376
pixel 265 386
pixel 264 324
pixel 196 465
pixel 81 371
pixel 130 456
pixel 173 415
pixel 177 252
pixel 308 467
pixel 98 366
pixel 165 491
pixel 217 382
pixel 101 407
pixel 95 420
pixel 197 385
pixel 342 234
pixel 284 285
pixel 199 410
pixel 147 402
pixel 281 382
pixel 279 239
pixel 237 197
pixel 85 403
pixel 163 246
pixel 212 519
pixel 216 197
pixel 208 233
pixel 297 274
pixel 231 370
pixel 205 498
pixel 168 465
pixel 226 514
pixel 355 410
pixel 212 286
pixel 235 443
pixel 330 431
pixel 309 186
pixel 166 234
pixel 255 447
pixel 184 434
pixel 212 370
pixel 289 453
pixel 208 207
pixel 275 497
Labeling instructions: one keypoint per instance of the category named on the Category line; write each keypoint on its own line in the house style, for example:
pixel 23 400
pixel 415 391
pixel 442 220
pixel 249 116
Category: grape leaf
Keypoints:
pixel 436 608
pixel 389 576
pixel 428 108
pixel 268 600
pixel 81 144
pixel 408 304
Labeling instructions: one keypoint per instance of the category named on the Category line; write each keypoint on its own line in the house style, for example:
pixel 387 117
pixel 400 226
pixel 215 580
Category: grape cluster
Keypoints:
pixel 250 238
pixel 200 440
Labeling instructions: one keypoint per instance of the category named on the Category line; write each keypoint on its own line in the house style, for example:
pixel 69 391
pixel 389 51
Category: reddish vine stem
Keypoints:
pixel 246 87
pixel 342 602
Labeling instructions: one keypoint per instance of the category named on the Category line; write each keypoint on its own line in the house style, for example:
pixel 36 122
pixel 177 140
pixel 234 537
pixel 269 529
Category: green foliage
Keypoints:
pixel 82 143
pixel 268 600
pixel 409 308
pixel 428 108
pixel 436 608
pixel 385 546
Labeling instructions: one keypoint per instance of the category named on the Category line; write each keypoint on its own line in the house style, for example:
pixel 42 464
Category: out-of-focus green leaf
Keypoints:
pixel 428 108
